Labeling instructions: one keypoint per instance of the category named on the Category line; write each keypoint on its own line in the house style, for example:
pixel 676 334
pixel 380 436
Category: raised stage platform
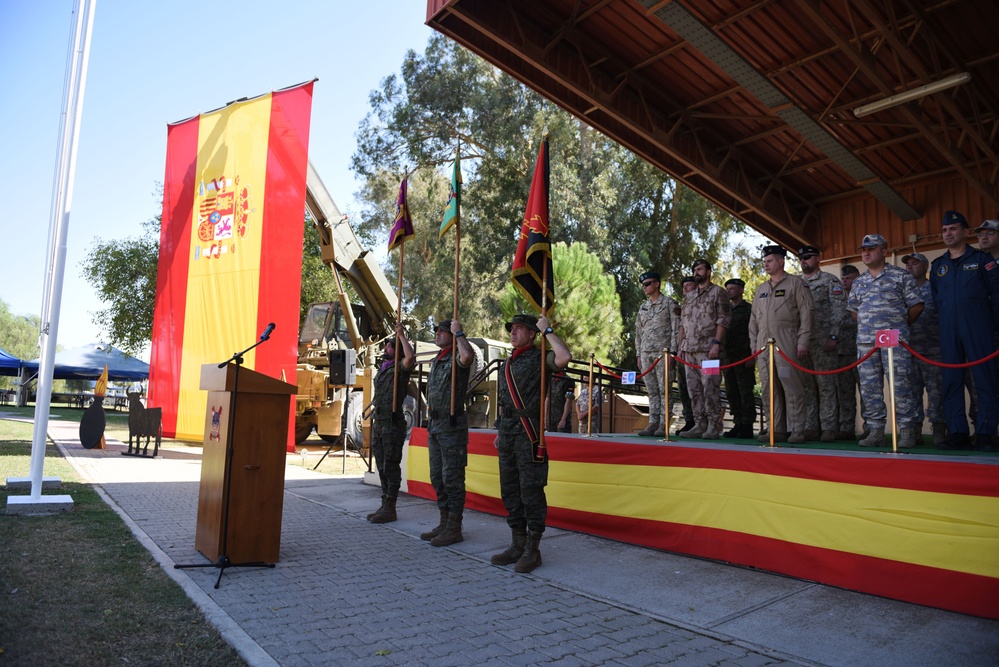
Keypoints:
pixel 913 527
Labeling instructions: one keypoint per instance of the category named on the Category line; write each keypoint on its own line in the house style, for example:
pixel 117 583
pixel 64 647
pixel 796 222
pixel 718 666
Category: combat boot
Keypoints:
pixel 710 435
pixel 908 438
pixel 797 437
pixel 812 434
pixel 387 513
pixel 514 551
pixel 531 558
pixel 660 431
pixel 380 508
pixel 828 436
pixel 434 532
pixel 452 532
pixel 939 433
pixel 875 438
pixel 696 432
pixel 983 443
pixel 650 429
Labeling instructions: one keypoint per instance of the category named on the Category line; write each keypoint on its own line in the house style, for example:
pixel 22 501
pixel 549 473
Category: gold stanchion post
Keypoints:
pixel 666 410
pixel 771 344
pixel 891 400
pixel 589 401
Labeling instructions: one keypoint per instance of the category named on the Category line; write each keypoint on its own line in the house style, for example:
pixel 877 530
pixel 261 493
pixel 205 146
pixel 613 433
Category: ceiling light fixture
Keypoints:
pixel 913 94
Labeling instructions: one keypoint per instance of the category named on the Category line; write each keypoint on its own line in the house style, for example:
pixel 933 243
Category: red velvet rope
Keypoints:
pixel 731 365
pixel 834 372
pixel 941 364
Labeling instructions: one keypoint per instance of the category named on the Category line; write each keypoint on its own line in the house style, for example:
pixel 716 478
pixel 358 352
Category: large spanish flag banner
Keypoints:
pixel 230 248
pixel 905 527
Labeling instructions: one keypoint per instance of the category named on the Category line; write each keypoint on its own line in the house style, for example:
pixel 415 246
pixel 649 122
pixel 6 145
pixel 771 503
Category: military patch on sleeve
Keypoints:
pixel 837 289
pixel 990 266
pixel 779 292
pixel 942 270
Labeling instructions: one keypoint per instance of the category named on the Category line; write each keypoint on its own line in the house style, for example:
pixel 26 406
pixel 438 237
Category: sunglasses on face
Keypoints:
pixel 648 284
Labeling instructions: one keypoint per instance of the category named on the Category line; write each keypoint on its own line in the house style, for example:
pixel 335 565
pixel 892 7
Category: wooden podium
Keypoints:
pixel 256 487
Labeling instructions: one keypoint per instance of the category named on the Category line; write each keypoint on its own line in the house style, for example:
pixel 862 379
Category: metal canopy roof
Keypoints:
pixel 751 102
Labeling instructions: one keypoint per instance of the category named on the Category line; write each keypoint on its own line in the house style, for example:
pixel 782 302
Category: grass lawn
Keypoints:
pixel 77 588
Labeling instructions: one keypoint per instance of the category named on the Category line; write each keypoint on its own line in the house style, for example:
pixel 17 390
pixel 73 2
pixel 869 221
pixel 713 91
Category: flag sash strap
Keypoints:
pixel 518 402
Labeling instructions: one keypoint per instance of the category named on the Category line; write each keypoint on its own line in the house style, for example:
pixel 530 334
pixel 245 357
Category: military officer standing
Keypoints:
pixel 988 238
pixel 523 470
pixel 965 286
pixel 447 435
pixel 740 381
pixel 704 318
pixel 822 416
pixel 388 427
pixel 654 332
pixel 782 310
pixel 846 382
pixel 885 297
pixel 924 336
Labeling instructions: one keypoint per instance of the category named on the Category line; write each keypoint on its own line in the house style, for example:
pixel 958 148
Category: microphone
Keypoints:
pixel 267 332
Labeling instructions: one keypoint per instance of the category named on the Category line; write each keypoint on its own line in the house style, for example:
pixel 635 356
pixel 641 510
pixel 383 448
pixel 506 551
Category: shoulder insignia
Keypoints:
pixel 942 270
pixel 837 289
pixel 990 266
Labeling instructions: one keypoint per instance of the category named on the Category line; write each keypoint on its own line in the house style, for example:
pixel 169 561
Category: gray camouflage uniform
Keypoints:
pixel 447 441
pixel 883 302
pixel 846 382
pixel 822 406
pixel 656 328
pixel 704 310
pixel 925 339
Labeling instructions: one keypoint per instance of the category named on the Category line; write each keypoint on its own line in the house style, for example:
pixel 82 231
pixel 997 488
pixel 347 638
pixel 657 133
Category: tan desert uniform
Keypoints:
pixel 783 312
pixel 703 310
pixel 822 406
pixel 656 328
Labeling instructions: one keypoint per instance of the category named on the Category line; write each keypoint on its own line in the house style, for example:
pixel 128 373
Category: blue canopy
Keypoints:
pixel 9 365
pixel 87 363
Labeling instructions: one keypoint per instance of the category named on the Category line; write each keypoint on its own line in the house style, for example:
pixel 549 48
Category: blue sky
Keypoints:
pixel 157 63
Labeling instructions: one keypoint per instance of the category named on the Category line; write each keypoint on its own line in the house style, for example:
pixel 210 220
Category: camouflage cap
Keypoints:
pixel 443 325
pixel 849 270
pixel 989 226
pixel 529 321
pixel 917 256
pixel 873 241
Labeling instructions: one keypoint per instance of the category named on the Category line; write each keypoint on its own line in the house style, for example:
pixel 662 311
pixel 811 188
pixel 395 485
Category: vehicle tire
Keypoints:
pixel 409 412
pixel 302 432
pixel 354 427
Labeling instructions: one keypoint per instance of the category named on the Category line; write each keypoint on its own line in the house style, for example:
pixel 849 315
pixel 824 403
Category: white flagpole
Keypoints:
pixel 76 76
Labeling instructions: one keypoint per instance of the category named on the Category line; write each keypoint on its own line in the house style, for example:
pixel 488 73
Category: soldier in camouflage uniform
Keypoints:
pixel 782 310
pixel 704 319
pixel 924 337
pixel 388 426
pixel 654 332
pixel 846 382
pixel 523 470
pixel 822 415
pixel 687 285
pixel 884 297
pixel 741 380
pixel 561 392
pixel 447 435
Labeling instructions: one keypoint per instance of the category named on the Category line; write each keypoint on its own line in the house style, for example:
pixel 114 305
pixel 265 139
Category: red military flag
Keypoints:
pixel 532 264
pixel 403 227
pixel 230 247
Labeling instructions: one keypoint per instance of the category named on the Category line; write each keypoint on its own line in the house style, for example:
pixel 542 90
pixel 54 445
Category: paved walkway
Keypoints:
pixel 349 592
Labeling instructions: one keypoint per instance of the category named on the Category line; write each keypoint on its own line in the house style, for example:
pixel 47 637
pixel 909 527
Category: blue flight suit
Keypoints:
pixel 966 293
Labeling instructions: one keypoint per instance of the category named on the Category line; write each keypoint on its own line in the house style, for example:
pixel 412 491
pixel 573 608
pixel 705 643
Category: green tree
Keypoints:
pixel 18 337
pixel 123 273
pixel 587 311
pixel 630 214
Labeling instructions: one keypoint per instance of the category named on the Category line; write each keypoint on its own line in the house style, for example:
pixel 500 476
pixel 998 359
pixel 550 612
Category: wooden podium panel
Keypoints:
pixel 258 441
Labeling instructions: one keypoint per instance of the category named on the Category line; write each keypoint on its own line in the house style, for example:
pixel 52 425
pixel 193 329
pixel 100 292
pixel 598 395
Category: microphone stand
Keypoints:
pixel 223 561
